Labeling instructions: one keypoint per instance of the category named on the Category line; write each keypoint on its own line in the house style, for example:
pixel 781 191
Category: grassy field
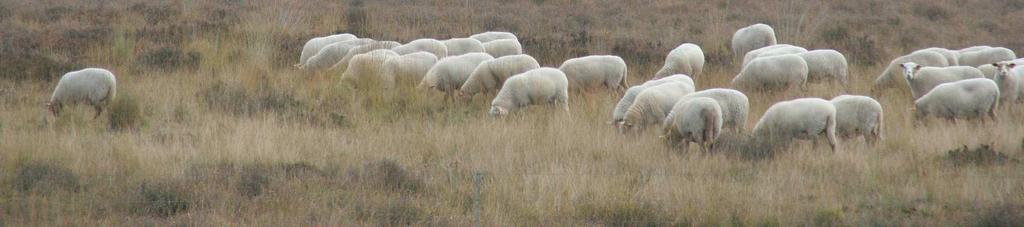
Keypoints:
pixel 212 125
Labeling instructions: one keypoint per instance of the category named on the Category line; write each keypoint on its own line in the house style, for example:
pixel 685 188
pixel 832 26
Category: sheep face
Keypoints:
pixel 498 111
pixel 909 69
pixel 1003 69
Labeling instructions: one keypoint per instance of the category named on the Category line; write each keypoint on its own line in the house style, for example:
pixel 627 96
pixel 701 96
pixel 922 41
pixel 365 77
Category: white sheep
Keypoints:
pixel 751 38
pixel 686 59
pixel 892 76
pixel 989 70
pixel 697 120
pixel 433 46
pixel 503 47
pixel 460 46
pixel 772 73
pixel 952 56
pixel 367 69
pixel 376 45
pixel 1010 79
pixel 652 105
pixel 803 119
pixel 595 71
pixel 825 65
pixel 627 98
pixel 922 79
pixel 735 106
pixel 94 86
pixel 315 44
pixel 986 56
pixel 973 48
pixel 538 86
pixel 492 36
pixel 959 100
pixel 858 116
pixel 450 73
pixel 331 54
pixel 768 51
pixel 491 74
pixel 408 70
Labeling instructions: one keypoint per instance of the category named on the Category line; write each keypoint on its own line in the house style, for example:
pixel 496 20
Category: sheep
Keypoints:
pixel 376 45
pixel 923 79
pixel 627 99
pixel 858 116
pixel 595 70
pixel 332 54
pixel 315 44
pixel 450 73
pixel 460 46
pixel 735 106
pixel 537 86
pixel 973 48
pixel 825 65
pixel 751 38
pixel 773 50
pixel 697 120
pixel 492 36
pixel 989 70
pixel 408 70
pixel 503 47
pixel 94 86
pixel 952 57
pixel 892 75
pixel 771 73
pixel 986 56
pixel 433 46
pixel 368 69
pixel 803 119
pixel 960 99
pixel 686 59
pixel 653 104
pixel 491 74
pixel 1010 81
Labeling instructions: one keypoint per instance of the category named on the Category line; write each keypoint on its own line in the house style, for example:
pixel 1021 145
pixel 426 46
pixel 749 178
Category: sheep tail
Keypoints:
pixel 878 127
pixel 992 110
pixel 623 83
pixel 830 131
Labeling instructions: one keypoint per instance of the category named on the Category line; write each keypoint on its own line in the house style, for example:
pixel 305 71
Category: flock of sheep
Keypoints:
pixel 950 84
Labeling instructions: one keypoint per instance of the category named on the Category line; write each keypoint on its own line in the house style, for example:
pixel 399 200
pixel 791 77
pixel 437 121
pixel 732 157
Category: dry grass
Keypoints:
pixel 219 130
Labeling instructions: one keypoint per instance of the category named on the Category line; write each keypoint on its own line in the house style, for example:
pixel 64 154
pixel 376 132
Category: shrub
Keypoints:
pixel 239 100
pixel 44 177
pixel 162 199
pixel 629 213
pixel 171 58
pixel 125 113
pixel 982 155
pixel 932 12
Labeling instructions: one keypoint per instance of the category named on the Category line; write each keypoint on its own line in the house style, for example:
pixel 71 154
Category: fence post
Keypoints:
pixel 477 177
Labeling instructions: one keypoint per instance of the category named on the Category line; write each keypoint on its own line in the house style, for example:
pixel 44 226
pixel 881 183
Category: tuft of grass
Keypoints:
pixel 171 58
pixel 388 175
pixel 163 199
pixel 627 213
pixel 982 155
pixel 828 217
pixel 393 213
pixel 44 177
pixel 125 113
pixel 239 100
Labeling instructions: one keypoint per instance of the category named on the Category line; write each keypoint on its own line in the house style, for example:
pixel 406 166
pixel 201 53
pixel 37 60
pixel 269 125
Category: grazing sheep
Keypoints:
pixel 825 65
pixel 460 46
pixel 735 106
pixel 697 120
pixel 94 86
pixel 960 100
pixel 751 38
pixel 627 99
pixel 952 56
pixel 492 36
pixel 923 79
pixel 986 56
pixel 803 119
pixel 376 45
pixel 892 75
pixel 594 71
pixel 503 47
pixel 315 44
pixel 772 73
pixel 973 48
pixel 537 86
pixel 450 73
pixel 433 46
pixel 1010 80
pixel 331 54
pixel 653 104
pixel 858 116
pixel 367 69
pixel 773 50
pixel 686 59
pixel 491 74
pixel 408 70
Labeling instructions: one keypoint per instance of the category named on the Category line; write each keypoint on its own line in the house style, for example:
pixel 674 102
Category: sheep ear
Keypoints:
pixel 917 67
pixel 903 66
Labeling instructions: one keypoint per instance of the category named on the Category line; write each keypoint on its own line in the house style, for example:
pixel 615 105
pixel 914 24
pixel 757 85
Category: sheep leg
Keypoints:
pixel 684 146
pixel 99 109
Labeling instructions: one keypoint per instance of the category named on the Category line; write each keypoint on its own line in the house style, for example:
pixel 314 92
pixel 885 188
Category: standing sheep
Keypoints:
pixel 825 65
pixel 986 56
pixel 315 44
pixel 772 73
pixel 735 106
pixel 627 99
pixel 952 57
pixel 408 70
pixel 686 59
pixel 491 74
pixel 376 45
pixel 768 51
pixel 892 75
pixel 1010 80
pixel 94 86
pixel 368 70
pixel 450 73
pixel 923 79
pixel 432 46
pixel 538 86
pixel 460 46
pixel 697 120
pixel 751 38
pixel 961 99
pixel 503 47
pixel 492 36
pixel 858 116
pixel 331 54
pixel 803 119
pixel 653 104
pixel 973 48
pixel 594 71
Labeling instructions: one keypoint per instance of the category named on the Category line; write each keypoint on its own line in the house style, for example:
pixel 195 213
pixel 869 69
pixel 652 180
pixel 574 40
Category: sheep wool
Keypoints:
pixel 375 45
pixel 986 56
pixel 685 59
pixel 825 65
pixel 653 104
pixel 922 79
pixel 367 69
pixel 768 51
pixel 408 70
pixel 450 73
pixel 735 106
pixel 485 37
pixel 503 47
pixel 94 86
pixel 460 46
pixel 595 71
pixel 534 87
pixel 798 119
pixel 892 76
pixel 971 98
pixel 627 98
pixel 697 120
pixel 751 38
pixel 491 74
pixel 314 45
pixel 433 46
pixel 858 116
pixel 772 73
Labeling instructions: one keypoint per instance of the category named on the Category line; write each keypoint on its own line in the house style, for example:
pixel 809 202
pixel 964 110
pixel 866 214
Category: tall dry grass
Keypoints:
pixel 214 128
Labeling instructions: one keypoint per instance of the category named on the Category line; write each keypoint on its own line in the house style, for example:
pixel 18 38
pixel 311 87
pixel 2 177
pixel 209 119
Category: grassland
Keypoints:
pixel 212 125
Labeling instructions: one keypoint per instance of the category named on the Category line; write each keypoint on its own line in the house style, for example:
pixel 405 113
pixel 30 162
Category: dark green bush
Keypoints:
pixel 36 176
pixel 125 113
